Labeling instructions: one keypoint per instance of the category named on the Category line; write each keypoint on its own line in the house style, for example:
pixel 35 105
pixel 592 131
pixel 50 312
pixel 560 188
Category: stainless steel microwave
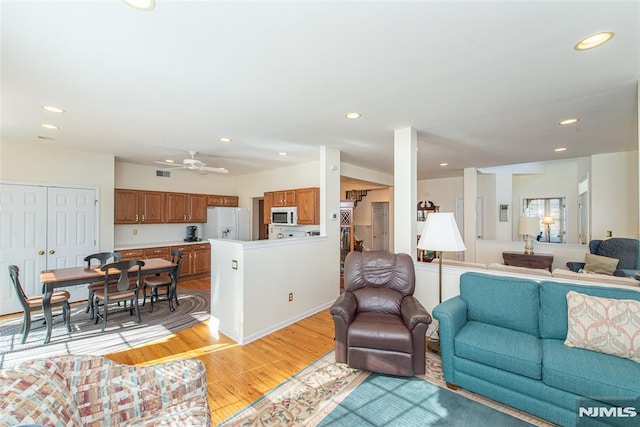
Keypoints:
pixel 284 216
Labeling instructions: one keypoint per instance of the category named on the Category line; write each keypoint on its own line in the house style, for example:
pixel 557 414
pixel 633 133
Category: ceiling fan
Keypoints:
pixel 192 164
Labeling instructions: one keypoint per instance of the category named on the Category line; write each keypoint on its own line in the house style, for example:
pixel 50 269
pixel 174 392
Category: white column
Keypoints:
pixel 405 183
pixel 470 185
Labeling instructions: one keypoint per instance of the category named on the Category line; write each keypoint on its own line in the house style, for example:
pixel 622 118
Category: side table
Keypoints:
pixel 519 259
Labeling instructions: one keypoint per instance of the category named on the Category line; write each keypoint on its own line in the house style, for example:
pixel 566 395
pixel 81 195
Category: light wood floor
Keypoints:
pixel 238 375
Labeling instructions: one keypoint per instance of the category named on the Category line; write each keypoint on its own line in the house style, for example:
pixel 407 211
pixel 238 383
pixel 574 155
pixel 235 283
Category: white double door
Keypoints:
pixel 43 227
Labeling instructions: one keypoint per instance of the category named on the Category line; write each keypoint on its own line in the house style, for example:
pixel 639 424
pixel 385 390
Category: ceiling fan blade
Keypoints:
pixel 172 165
pixel 218 170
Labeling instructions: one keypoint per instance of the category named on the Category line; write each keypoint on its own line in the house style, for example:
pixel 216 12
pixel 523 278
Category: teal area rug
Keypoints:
pixel 331 394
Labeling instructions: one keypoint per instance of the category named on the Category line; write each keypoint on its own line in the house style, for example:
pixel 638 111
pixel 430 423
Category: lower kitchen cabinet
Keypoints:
pixel 196 260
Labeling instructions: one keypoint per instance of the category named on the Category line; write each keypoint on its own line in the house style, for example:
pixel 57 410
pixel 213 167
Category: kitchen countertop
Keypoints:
pixel 156 244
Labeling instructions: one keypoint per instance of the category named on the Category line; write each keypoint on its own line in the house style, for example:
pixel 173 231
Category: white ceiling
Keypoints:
pixel 484 83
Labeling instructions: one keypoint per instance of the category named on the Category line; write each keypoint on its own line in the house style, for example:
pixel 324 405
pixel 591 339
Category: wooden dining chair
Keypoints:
pixel 123 289
pixel 34 304
pixel 163 280
pixel 97 260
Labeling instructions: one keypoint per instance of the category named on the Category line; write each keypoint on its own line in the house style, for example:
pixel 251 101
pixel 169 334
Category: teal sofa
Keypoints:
pixel 503 338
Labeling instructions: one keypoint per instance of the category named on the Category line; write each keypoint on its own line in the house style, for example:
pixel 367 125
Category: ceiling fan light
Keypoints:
pixel 224 139
pixel 49 126
pixel 570 121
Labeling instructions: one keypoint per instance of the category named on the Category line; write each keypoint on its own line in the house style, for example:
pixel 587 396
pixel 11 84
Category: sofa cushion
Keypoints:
pixel 561 273
pixel 606 325
pixel 622 248
pixel 600 264
pixel 588 373
pixel 500 348
pixel 35 392
pixel 553 304
pixel 485 296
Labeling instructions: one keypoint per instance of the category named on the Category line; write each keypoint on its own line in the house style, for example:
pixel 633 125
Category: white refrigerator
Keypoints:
pixel 227 223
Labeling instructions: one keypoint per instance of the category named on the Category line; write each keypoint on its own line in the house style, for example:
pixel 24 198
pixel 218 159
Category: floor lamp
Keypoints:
pixel 440 234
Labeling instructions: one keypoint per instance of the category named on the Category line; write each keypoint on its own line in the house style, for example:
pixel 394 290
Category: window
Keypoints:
pixel 553 207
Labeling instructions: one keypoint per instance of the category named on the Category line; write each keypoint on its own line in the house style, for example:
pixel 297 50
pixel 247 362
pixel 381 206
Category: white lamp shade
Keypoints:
pixel 529 225
pixel 440 233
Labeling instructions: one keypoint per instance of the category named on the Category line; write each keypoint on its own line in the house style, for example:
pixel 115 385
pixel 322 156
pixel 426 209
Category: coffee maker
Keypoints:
pixel 192 234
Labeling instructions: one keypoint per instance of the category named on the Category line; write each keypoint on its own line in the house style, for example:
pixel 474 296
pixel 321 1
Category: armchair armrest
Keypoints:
pixel 344 307
pixel 575 266
pixel 413 313
pixel 451 316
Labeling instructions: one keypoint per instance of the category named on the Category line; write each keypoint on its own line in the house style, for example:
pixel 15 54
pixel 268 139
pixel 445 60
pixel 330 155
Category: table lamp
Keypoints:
pixel 440 234
pixel 528 226
pixel 547 221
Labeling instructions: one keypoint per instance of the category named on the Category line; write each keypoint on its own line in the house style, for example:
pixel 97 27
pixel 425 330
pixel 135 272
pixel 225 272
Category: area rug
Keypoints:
pixel 122 331
pixel 330 394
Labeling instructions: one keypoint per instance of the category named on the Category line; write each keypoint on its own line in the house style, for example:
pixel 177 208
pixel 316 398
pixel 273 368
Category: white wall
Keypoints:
pixel 559 179
pixel 614 195
pixel 140 177
pixel 50 163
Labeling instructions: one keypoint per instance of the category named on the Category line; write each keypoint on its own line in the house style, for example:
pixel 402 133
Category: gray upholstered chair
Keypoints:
pixel 621 248
pixel 379 325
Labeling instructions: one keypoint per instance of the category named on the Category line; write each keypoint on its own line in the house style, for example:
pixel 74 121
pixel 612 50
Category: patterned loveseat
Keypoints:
pixel 95 391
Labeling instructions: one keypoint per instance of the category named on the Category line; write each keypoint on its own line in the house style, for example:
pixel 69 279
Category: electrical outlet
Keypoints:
pixel 290 296
pixel 135 231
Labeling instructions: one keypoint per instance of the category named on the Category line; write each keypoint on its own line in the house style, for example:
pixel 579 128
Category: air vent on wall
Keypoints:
pixel 165 174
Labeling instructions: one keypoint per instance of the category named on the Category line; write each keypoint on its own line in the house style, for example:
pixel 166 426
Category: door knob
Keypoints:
pixel 52 252
pixel 40 252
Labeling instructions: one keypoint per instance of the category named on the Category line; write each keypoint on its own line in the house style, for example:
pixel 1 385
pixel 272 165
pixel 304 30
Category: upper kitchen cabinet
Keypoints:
pixel 138 207
pixel 126 207
pixel 184 207
pixel 308 202
pixel 151 207
pixel 227 201
pixel 267 205
pixel 284 198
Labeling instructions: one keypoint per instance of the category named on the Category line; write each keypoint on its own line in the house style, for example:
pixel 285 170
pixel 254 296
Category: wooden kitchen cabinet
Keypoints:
pixel 226 201
pixel 158 252
pixel 284 198
pixel 267 205
pixel 185 207
pixel 197 207
pixel 196 259
pixel 308 202
pixel 176 207
pixel 126 207
pixel 138 207
pixel 132 254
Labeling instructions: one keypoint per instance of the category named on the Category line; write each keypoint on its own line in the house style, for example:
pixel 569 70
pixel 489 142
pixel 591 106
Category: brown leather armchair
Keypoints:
pixel 379 325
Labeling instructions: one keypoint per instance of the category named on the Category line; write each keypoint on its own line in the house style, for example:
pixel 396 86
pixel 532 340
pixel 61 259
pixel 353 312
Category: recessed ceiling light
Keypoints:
pixel 282 153
pixel 353 116
pixel 569 121
pixel 444 164
pixel 560 149
pixel 169 161
pixel 52 109
pixel 594 40
pixel 48 126
pixel 145 5
pixel 46 138
pixel 224 139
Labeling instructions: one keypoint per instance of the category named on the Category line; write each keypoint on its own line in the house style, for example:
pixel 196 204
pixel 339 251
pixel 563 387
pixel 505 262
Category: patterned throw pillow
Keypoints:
pixel 610 326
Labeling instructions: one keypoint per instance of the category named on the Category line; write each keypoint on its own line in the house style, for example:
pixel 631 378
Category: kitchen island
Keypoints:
pixel 258 287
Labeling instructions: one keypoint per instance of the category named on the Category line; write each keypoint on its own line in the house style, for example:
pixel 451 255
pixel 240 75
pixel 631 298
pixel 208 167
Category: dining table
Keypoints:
pixel 60 277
